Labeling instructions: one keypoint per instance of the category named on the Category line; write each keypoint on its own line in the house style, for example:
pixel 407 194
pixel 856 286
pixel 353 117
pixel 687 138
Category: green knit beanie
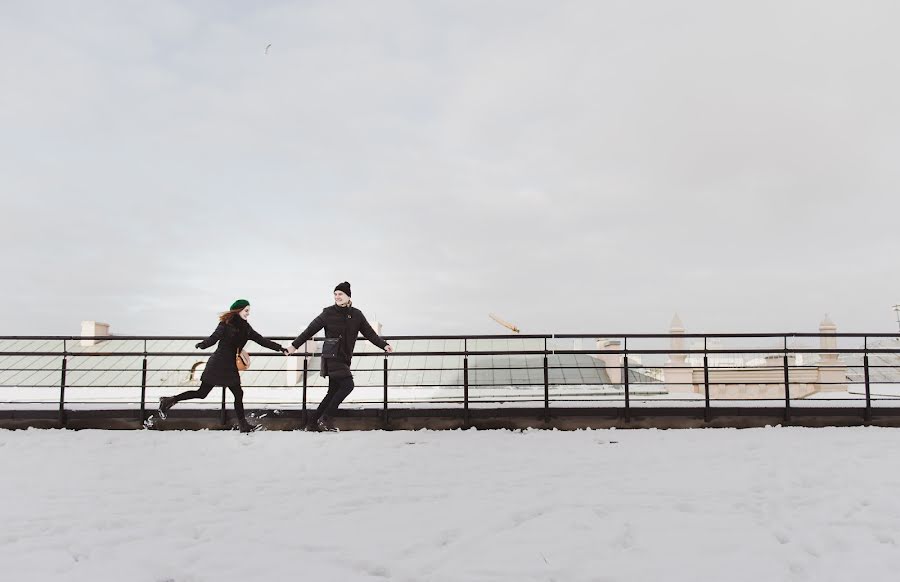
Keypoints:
pixel 240 304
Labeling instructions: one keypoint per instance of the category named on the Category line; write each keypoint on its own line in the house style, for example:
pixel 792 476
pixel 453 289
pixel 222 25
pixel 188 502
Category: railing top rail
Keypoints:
pixel 476 337
pixel 636 352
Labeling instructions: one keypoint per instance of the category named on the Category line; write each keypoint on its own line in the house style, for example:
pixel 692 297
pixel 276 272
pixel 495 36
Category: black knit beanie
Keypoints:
pixel 345 287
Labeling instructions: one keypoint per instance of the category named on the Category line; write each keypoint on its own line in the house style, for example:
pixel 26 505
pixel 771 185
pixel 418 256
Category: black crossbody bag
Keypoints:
pixel 331 347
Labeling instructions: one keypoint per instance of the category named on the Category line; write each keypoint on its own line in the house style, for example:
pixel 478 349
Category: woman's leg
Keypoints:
pixel 238 393
pixel 201 392
pixel 167 402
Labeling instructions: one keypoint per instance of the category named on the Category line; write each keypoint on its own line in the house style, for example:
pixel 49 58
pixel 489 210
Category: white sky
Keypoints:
pixel 575 167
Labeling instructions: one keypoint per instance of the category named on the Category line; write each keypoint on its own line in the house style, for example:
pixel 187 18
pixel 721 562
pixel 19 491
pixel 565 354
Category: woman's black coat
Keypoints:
pixel 221 369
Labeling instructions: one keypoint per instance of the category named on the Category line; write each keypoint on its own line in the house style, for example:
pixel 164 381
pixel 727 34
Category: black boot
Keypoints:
pixel 325 425
pixel 245 426
pixel 165 403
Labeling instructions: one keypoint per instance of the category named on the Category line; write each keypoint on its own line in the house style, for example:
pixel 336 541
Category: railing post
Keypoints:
pixel 466 390
pixel 385 419
pixel 304 415
pixel 787 385
pixel 224 416
pixel 546 384
pixel 868 415
pixel 62 386
pixel 706 411
pixel 144 385
pixel 625 380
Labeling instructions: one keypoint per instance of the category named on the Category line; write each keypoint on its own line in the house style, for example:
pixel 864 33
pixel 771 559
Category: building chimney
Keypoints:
pixel 91 329
pixel 676 373
pixel 828 342
pixel 613 362
pixel 676 328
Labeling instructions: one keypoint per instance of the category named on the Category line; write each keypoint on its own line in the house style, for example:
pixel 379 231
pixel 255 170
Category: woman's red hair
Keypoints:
pixel 226 316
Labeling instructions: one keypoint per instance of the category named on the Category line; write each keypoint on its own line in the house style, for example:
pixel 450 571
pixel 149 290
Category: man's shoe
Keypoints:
pixel 247 427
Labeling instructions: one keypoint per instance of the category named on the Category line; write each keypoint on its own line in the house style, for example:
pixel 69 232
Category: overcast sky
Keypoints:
pixel 574 167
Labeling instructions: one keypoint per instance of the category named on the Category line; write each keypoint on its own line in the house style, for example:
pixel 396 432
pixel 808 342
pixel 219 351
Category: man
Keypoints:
pixel 343 323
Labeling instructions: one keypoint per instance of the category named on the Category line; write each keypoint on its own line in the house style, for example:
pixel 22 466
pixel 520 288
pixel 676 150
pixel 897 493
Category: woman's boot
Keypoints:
pixel 165 403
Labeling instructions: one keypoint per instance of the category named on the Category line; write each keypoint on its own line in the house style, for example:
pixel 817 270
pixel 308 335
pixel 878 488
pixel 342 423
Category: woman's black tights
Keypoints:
pixel 204 390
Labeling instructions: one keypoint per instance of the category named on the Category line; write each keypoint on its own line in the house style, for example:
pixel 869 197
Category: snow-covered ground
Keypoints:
pixel 764 504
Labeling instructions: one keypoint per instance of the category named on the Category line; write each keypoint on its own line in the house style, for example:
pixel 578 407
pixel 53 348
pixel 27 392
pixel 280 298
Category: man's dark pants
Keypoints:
pixel 338 390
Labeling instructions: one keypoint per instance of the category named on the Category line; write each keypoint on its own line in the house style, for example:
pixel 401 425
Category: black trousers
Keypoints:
pixel 338 390
pixel 204 390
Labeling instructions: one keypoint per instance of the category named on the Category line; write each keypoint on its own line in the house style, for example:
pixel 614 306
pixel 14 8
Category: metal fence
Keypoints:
pixel 538 372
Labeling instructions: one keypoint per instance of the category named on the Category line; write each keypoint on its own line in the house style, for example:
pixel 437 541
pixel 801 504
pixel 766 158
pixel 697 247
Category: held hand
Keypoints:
pixel 389 349
pixel 284 351
pixel 291 350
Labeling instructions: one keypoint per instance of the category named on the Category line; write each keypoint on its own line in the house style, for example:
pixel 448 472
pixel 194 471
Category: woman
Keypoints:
pixel 221 369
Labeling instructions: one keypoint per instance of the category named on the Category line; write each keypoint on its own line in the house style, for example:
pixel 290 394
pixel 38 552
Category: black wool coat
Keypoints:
pixel 345 323
pixel 221 369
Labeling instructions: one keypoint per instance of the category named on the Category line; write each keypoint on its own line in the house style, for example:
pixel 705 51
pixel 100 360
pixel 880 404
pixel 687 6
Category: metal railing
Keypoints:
pixel 631 364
